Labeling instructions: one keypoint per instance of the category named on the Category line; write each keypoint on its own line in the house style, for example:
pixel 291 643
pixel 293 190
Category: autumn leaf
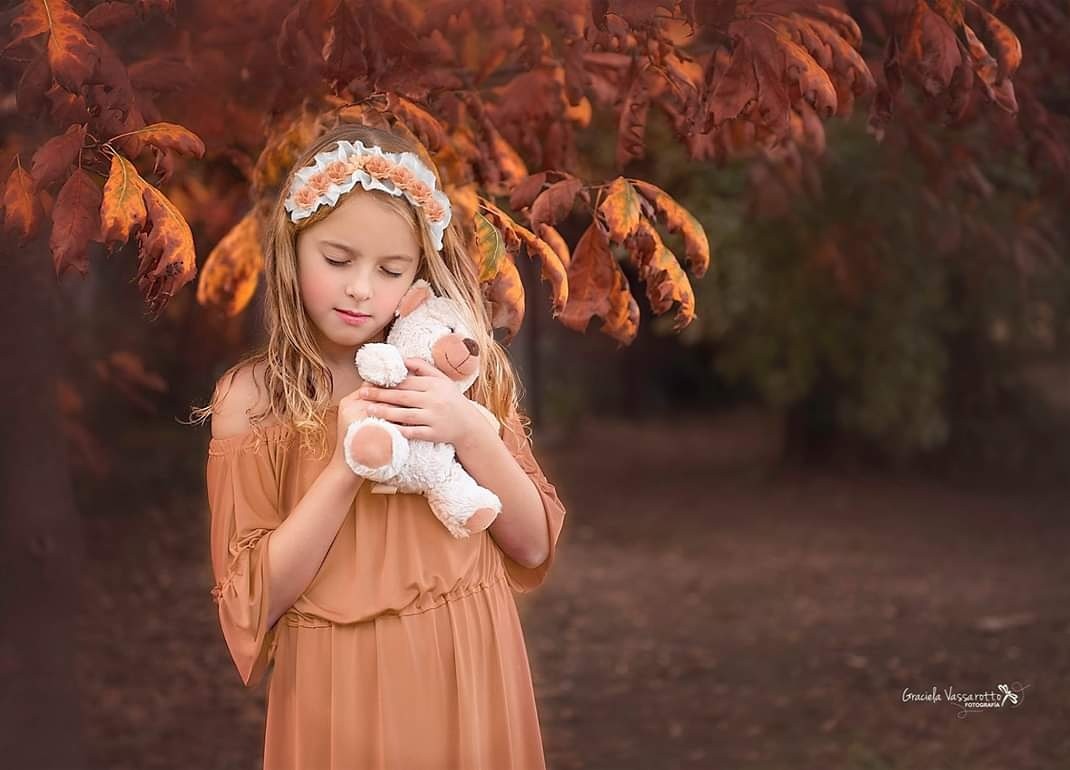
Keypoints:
pixel 555 202
pixel 230 274
pixel 679 220
pixel 555 242
pixel 659 271
pixel 620 209
pixel 504 295
pixel 167 260
pixel 490 248
pixel 598 287
pixel 631 127
pixel 427 128
pixel 22 211
pixel 526 190
pixel 551 268
pixel 75 222
pixel 169 136
pixel 71 57
pixel 122 208
pixel 57 155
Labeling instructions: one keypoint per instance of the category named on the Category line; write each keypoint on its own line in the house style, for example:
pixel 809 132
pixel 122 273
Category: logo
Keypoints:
pixel 1005 696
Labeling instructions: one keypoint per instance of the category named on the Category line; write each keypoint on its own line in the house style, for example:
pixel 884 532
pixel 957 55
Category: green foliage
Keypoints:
pixel 893 302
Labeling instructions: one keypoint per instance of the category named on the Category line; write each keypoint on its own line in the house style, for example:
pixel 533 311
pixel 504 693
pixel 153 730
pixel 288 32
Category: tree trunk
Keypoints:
pixel 40 531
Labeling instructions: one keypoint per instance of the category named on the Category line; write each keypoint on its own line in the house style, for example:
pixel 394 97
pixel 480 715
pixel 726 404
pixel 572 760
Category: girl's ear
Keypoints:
pixel 417 293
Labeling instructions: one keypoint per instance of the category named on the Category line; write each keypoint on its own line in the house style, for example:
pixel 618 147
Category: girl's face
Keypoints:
pixel 361 257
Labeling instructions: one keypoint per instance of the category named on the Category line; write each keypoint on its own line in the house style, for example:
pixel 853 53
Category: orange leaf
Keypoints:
pixel 556 242
pixel 122 208
pixel 428 128
pixel 734 90
pixel 631 127
pixel 679 220
pixel 70 54
pixel 230 274
pixel 597 286
pixel 620 209
pixel 555 202
pixel 661 274
pixel 167 257
pixel 551 268
pixel 58 154
pixel 951 10
pixel 1003 41
pixel 490 248
pixel 526 190
pixel 75 222
pixel 505 296
pixel 814 83
pixel 553 271
pixel 170 136
pixel 932 48
pixel 22 210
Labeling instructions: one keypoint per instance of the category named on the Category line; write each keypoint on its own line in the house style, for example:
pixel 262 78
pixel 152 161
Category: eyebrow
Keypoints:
pixel 355 252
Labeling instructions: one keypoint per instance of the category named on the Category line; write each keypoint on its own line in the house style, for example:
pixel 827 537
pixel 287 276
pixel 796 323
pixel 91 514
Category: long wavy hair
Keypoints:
pixel 293 371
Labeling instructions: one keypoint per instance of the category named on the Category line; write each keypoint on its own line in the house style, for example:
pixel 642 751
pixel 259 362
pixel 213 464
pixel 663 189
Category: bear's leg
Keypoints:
pixel 375 448
pixel 463 506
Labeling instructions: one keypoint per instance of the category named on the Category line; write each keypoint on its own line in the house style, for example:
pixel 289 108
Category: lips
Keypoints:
pixel 353 313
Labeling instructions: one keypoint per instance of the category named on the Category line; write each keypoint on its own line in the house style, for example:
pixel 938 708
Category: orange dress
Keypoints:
pixel 405 651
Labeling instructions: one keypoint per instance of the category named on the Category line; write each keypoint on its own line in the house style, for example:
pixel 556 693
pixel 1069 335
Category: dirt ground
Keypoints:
pixel 708 609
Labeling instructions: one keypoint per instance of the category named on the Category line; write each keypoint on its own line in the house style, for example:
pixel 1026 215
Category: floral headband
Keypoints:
pixel 337 171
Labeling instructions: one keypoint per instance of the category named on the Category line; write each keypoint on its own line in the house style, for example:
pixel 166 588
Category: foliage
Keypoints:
pixel 492 89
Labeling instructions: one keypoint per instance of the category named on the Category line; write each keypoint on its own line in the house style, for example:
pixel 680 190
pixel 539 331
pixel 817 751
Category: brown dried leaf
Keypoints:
pixel 75 222
pixel 620 209
pixel 679 220
pixel 230 274
pixel 22 210
pixel 597 286
pixel 57 155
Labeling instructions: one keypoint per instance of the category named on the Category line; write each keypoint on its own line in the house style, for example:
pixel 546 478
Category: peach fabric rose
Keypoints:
pixel 435 212
pixel 305 197
pixel 377 166
pixel 338 172
pixel 319 182
pixel 401 176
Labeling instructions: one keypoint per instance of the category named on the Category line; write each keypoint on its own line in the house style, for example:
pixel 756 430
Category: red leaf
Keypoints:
pixel 75 222
pixel 58 154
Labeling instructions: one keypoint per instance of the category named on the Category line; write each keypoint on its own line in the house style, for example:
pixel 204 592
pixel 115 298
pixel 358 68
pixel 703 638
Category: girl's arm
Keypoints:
pixel 298 546
pixel 520 529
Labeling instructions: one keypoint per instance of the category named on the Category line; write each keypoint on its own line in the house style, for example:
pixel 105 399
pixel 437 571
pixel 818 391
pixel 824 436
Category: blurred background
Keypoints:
pixel 844 478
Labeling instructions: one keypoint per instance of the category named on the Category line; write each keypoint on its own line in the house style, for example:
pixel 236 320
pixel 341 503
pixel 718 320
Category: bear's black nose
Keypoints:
pixel 472 345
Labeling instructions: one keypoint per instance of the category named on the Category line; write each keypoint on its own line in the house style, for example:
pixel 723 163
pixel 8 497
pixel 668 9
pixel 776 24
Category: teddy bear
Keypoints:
pixel 432 328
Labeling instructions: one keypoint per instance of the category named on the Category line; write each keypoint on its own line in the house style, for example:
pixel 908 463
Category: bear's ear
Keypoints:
pixel 414 297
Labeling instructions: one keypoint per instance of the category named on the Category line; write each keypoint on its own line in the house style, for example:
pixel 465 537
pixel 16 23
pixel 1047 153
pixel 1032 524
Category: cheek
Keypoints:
pixel 316 289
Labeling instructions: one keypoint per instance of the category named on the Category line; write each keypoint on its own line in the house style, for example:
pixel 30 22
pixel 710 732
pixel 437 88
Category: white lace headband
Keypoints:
pixel 337 171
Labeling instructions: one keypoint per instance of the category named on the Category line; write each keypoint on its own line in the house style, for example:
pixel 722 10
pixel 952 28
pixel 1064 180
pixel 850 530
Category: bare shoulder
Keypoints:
pixel 237 394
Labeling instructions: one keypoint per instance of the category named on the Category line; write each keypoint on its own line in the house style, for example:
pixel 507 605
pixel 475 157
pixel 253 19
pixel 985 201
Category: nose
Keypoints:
pixel 472 345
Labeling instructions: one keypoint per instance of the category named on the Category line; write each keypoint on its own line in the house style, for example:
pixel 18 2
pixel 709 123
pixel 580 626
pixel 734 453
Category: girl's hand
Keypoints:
pixel 426 405
pixel 350 409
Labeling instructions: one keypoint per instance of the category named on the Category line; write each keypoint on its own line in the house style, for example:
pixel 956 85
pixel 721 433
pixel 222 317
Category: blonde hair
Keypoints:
pixel 297 379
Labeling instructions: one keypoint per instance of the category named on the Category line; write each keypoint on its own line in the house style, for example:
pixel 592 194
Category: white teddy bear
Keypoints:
pixel 428 327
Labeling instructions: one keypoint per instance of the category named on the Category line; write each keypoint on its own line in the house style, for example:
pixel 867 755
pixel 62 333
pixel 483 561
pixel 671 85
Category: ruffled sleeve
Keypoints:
pixel 523 579
pixel 243 498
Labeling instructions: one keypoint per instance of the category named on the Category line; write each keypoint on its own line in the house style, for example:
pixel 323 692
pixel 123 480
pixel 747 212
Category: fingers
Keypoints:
pixel 408 397
pixel 421 367
pixel 397 414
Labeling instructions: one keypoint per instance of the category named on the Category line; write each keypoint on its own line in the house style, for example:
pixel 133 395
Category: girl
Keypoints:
pixel 393 643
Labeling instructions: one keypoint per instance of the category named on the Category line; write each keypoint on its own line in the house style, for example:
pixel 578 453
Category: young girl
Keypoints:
pixel 393 643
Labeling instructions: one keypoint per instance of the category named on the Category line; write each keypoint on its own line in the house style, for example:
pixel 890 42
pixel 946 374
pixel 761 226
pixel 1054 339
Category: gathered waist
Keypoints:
pixel 303 619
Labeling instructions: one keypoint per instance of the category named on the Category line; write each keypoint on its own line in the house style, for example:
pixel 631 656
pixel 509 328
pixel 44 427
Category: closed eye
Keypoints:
pixel 337 263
